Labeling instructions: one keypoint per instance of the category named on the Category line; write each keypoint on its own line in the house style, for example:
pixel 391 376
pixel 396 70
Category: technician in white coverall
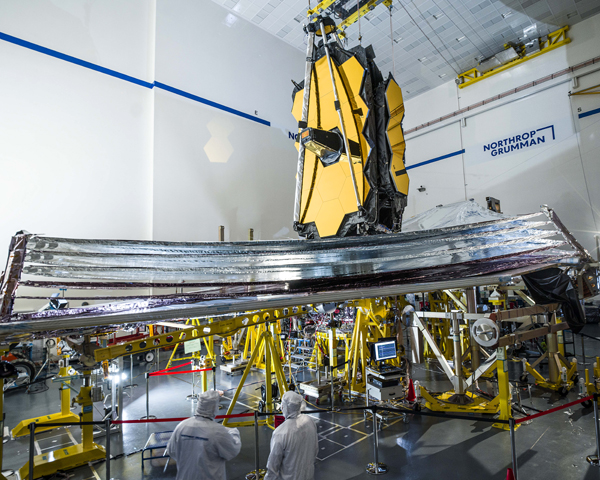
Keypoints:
pixel 294 444
pixel 201 446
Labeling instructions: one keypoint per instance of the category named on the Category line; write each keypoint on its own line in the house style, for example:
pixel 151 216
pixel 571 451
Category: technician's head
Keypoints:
pixel 208 404
pixel 291 404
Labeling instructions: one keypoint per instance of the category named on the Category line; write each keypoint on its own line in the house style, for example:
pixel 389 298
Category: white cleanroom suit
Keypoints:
pixel 201 446
pixel 294 444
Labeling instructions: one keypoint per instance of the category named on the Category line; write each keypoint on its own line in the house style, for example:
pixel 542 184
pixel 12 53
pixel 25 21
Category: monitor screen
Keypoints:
pixel 385 350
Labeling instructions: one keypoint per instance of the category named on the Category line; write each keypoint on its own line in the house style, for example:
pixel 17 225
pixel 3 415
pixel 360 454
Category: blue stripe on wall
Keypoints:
pixel 591 112
pixel 76 61
pixel 127 78
pixel 210 103
pixel 437 159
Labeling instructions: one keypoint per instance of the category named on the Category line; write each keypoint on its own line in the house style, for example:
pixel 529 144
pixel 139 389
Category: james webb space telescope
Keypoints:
pixel 351 178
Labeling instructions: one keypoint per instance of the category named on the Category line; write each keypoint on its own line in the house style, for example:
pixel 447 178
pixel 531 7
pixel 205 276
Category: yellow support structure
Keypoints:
pixel 253 336
pixel 208 342
pixel 504 394
pixel 65 415
pixel 222 328
pixel 593 387
pixel 272 361
pixel 554 40
pixel 366 8
pixel 373 321
pixel 587 91
pixel 556 381
pixel 67 458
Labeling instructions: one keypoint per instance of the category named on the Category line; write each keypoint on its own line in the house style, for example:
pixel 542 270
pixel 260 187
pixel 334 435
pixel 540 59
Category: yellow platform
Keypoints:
pixel 62 459
pixel 479 405
pixel 22 428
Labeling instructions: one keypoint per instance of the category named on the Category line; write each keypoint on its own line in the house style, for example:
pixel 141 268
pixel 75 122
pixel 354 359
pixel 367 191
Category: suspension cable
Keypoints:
pixel 358 13
pixel 392 40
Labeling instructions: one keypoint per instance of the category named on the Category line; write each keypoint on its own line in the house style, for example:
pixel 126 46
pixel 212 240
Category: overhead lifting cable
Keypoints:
pixel 425 35
pixel 429 25
pixel 462 31
pixel 358 13
pixel 392 40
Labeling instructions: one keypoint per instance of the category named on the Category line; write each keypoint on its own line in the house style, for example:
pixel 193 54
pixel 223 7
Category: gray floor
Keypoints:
pixel 551 447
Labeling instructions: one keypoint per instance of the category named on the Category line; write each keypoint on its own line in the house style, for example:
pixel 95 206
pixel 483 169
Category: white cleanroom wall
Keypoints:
pixel 213 167
pixel 559 167
pixel 75 144
pixel 440 180
pixel 114 34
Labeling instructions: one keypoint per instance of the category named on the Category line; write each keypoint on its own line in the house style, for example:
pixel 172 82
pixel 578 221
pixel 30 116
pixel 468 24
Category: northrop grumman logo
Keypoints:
pixel 520 142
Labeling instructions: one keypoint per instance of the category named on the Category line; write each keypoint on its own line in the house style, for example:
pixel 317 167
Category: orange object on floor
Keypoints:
pixel 411 396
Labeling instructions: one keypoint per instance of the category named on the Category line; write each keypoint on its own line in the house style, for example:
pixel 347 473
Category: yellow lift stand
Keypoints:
pixel 557 384
pixel 267 344
pixel 65 373
pixel 76 455
pixel 504 393
pixel 562 374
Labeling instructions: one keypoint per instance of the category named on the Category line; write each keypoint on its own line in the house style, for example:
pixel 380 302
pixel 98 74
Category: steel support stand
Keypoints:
pixel 148 416
pixel 107 448
pixel 214 369
pixel 595 459
pixel 332 363
pixel 513 447
pixel 583 350
pixel 113 399
pixel 193 396
pixel 257 473
pixel 131 385
pixel 376 468
pixel 31 449
pixel 332 389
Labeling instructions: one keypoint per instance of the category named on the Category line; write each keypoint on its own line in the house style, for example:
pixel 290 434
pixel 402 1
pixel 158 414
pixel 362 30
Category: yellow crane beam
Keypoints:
pixel 587 91
pixel 362 11
pixel 553 41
